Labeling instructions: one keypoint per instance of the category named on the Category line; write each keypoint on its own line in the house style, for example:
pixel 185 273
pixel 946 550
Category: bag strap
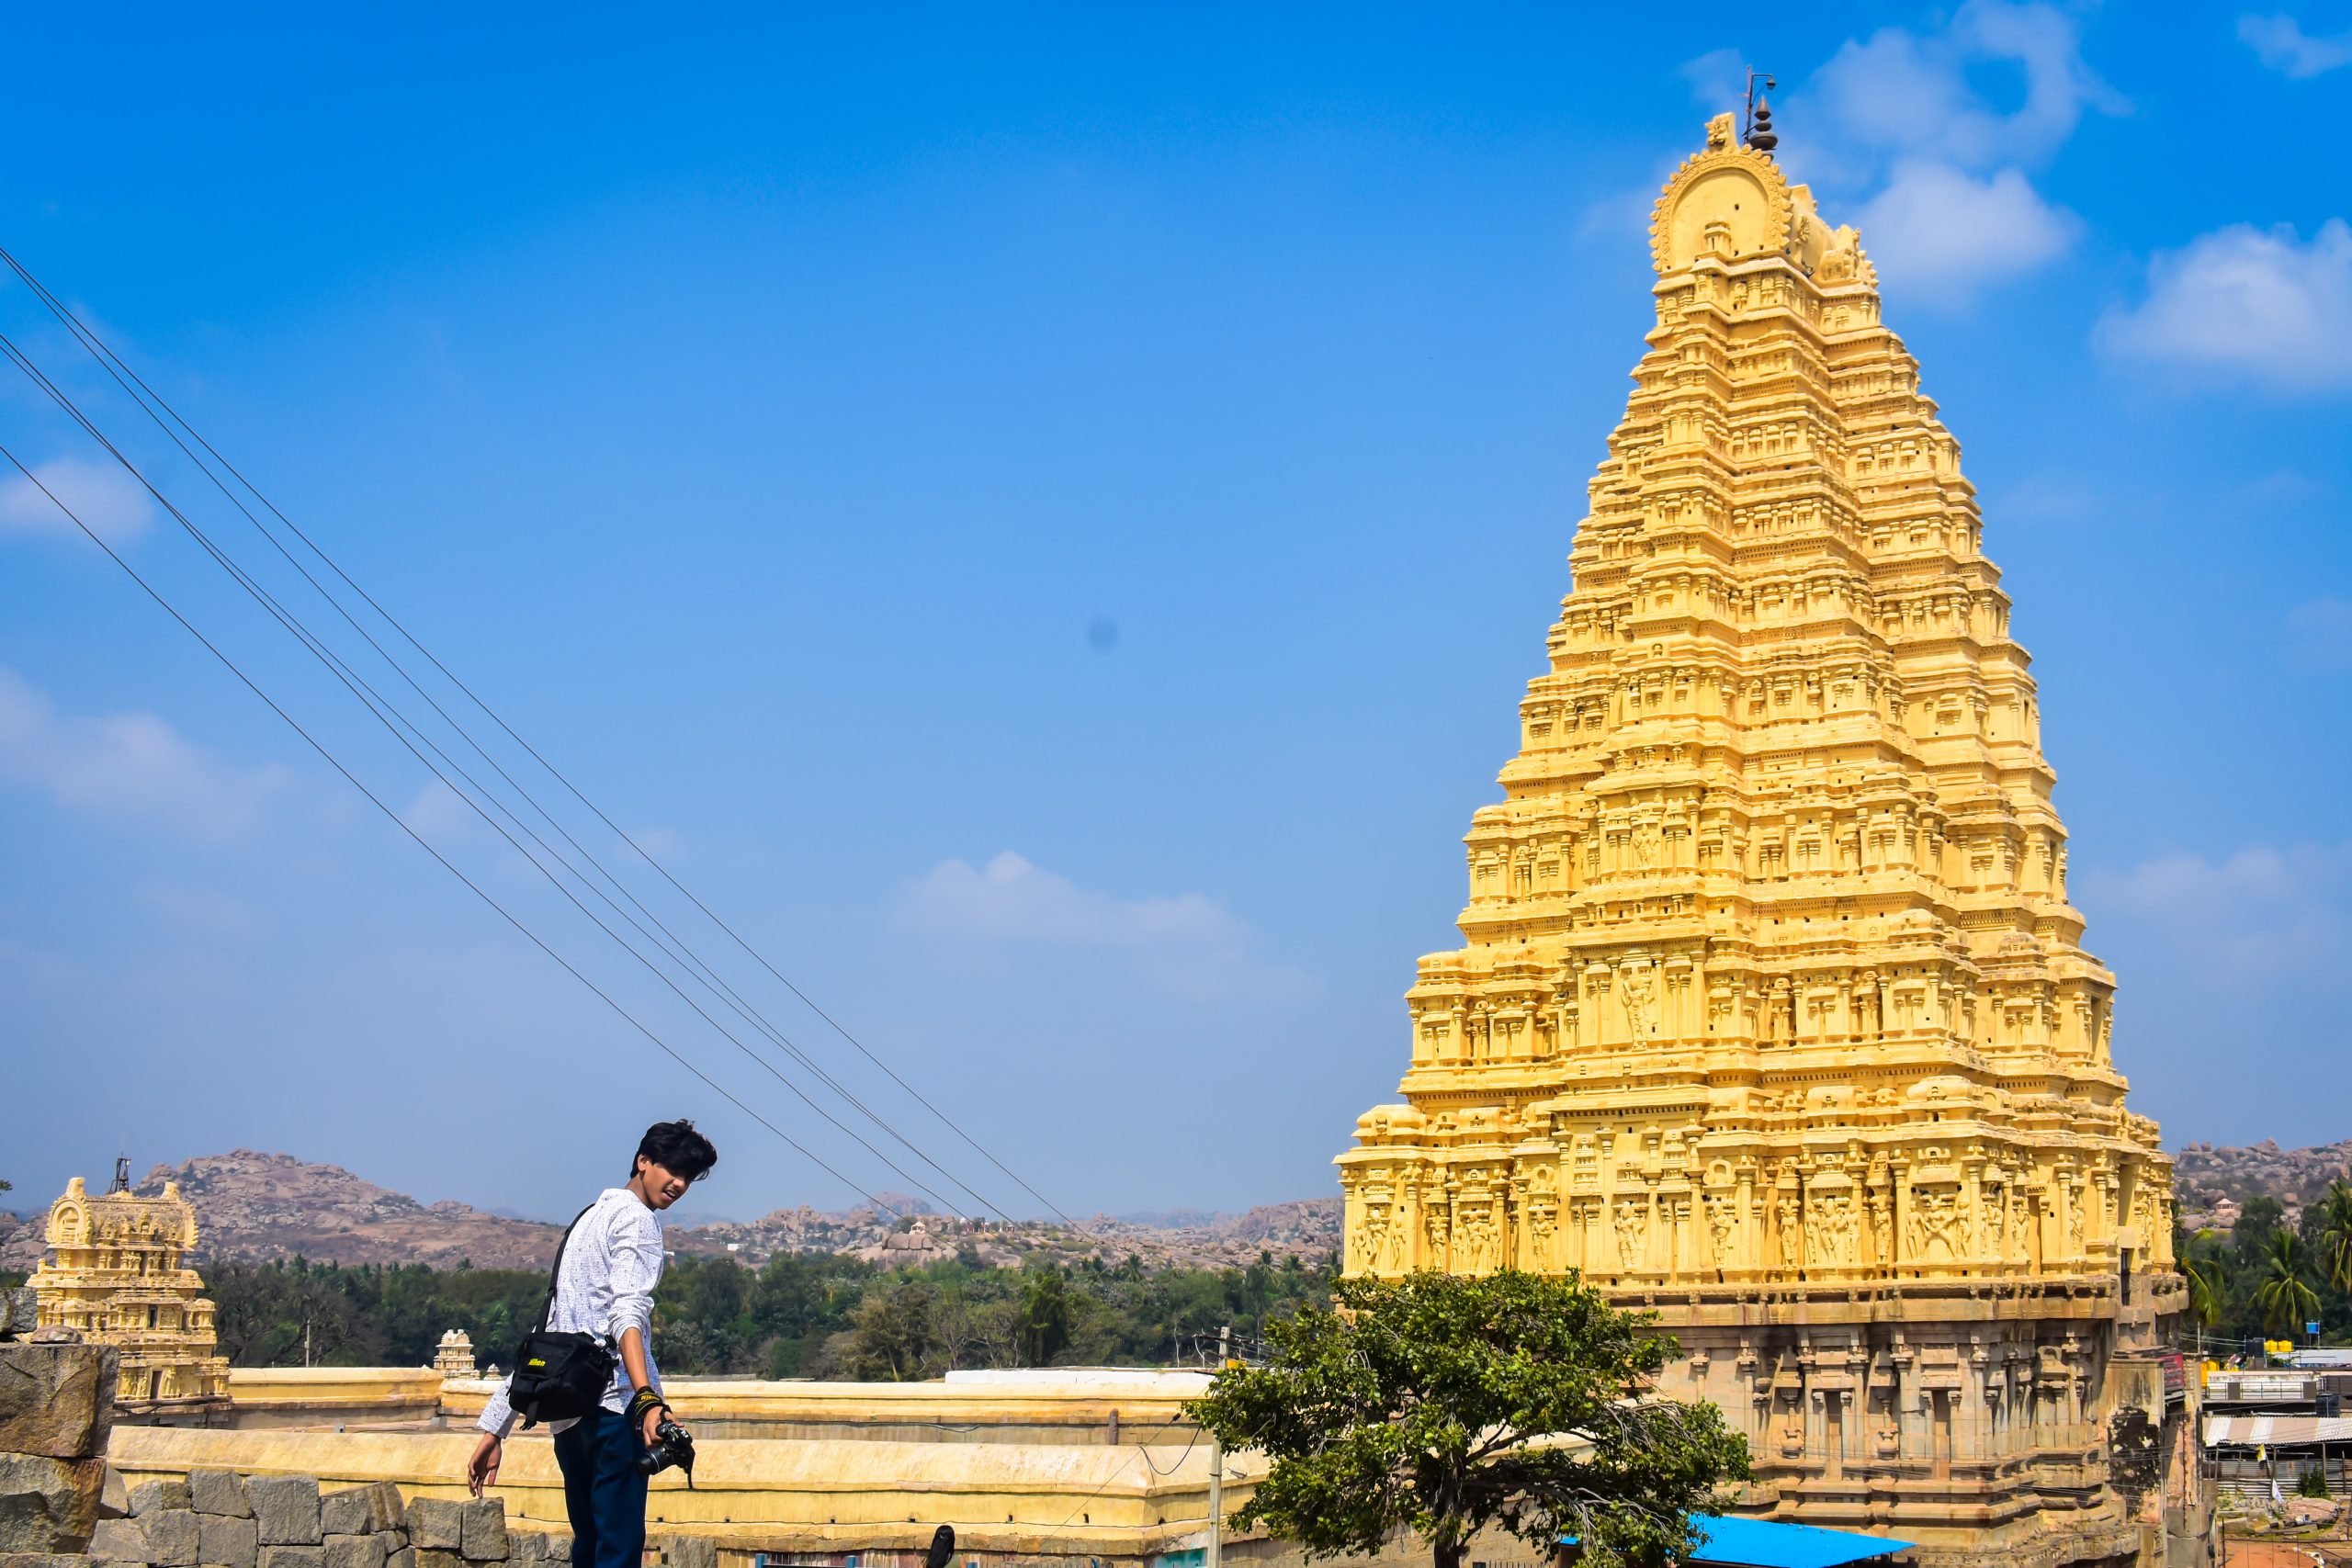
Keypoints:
pixel 555 1270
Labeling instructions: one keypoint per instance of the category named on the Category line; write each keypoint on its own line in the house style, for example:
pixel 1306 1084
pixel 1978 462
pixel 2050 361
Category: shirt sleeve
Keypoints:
pixel 498 1415
pixel 636 1269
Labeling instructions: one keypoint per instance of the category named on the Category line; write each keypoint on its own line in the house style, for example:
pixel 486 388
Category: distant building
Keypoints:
pixel 455 1356
pixel 117 1277
pixel 909 1248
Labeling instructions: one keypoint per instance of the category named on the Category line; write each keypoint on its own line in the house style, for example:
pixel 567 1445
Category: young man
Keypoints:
pixel 605 1288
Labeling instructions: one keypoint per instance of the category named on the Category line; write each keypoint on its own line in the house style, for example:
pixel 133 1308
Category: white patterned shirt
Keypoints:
pixel 604 1287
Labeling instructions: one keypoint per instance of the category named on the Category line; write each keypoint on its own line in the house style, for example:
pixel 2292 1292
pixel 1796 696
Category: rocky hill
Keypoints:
pixel 250 1207
pixel 254 1207
pixel 2213 1183
pixel 20 1241
pixel 257 1206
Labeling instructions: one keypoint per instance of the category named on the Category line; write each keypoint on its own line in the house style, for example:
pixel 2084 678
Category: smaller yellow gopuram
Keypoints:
pixel 119 1279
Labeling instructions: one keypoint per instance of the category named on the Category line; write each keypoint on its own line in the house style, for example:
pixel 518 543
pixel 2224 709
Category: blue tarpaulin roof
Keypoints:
pixel 1759 1543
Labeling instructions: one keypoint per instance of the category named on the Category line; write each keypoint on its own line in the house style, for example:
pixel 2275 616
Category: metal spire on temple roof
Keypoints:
pixel 1759 133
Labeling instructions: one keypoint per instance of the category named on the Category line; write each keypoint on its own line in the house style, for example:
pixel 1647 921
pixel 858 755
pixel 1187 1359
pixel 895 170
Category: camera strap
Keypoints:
pixel 555 1272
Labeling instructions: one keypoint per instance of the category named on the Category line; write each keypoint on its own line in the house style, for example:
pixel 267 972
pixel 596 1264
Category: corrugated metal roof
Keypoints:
pixel 2245 1431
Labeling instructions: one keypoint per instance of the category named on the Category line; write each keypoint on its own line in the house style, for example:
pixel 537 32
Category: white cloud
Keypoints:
pixel 438 813
pixel 1944 232
pixel 2247 304
pixel 116 506
pixel 661 843
pixel 2285 47
pixel 2262 914
pixel 1894 129
pixel 2321 633
pixel 1187 945
pixel 203 912
pixel 1900 95
pixel 1718 80
pixel 128 766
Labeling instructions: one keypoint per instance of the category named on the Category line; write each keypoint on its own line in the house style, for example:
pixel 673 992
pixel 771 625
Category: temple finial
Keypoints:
pixel 1759 133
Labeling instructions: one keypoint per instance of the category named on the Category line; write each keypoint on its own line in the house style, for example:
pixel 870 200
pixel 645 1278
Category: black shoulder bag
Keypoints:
pixel 558 1377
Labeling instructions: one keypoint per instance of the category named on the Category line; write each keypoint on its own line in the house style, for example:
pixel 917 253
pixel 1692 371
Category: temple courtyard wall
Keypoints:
pixel 1079 1470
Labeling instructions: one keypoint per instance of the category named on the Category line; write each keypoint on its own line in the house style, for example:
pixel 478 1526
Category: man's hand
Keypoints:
pixel 482 1469
pixel 645 1408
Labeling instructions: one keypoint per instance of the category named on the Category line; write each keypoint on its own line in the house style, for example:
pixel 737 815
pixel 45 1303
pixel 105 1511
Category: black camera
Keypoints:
pixel 672 1444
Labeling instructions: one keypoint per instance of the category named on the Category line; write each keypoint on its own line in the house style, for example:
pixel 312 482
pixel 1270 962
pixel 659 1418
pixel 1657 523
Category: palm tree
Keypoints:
pixel 2285 1297
pixel 2209 1287
pixel 2335 1236
pixel 2207 1265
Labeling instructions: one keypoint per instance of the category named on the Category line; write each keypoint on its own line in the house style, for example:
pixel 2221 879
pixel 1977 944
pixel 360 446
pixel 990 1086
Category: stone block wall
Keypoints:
pixel 56 1411
pixel 216 1519
pixel 60 1507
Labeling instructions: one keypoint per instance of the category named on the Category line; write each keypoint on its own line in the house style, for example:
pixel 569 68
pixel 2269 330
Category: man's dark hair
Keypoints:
pixel 677 1148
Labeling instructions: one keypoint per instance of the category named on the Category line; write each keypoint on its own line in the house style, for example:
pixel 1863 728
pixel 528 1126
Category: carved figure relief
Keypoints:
pixel 1542 1222
pixel 1791 1231
pixel 1720 1218
pixel 1481 1240
pixel 1390 1243
pixel 1637 988
pixel 1935 1224
pixel 1364 1244
pixel 1832 1229
pixel 1633 1230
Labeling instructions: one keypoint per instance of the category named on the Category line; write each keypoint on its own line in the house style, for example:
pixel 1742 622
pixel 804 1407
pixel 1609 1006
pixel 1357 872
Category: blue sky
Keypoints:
pixel 1043 523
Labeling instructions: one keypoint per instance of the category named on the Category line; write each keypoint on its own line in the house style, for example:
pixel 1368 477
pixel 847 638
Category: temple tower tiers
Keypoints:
pixel 1772 1013
pixel 120 1279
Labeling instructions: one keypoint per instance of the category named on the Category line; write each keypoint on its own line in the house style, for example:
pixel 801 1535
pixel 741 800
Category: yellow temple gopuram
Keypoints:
pixel 1772 1014
pixel 119 1278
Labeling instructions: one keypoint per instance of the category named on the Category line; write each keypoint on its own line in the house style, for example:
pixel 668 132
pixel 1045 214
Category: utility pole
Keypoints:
pixel 1216 1463
pixel 1216 1502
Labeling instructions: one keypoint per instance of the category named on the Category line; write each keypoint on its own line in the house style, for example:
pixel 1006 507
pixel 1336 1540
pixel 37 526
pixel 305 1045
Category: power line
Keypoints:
pixel 376 801
pixel 682 954
pixel 115 368
pixel 379 707
pixel 113 362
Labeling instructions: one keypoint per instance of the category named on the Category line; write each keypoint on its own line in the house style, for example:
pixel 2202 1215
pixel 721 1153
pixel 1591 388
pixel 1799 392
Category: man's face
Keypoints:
pixel 662 1188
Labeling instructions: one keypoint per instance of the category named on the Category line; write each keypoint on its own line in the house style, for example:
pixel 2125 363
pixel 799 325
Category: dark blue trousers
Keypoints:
pixel 603 1490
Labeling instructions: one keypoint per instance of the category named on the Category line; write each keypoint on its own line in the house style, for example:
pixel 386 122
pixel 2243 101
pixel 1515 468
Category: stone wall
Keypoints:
pixel 63 1506
pixel 56 1414
pixel 221 1519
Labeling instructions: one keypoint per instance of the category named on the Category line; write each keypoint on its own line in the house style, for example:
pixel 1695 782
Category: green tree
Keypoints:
pixel 1446 1405
pixel 2251 1234
pixel 2205 1264
pixel 892 1333
pixel 2285 1297
pixel 2334 1211
pixel 1042 1327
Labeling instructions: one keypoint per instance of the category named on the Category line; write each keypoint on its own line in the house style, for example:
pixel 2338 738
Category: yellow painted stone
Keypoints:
pixel 1772 1011
pixel 1125 1501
